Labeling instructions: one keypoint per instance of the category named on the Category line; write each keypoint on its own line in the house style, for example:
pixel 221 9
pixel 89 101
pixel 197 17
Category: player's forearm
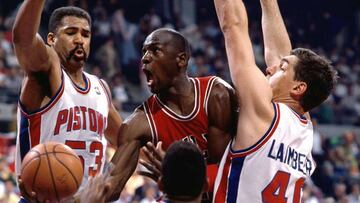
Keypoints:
pixel 125 161
pixel 233 20
pixel 230 15
pixel 276 39
pixel 27 22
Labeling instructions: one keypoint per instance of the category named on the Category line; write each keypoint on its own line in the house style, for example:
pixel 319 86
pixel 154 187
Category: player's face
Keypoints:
pixel 72 40
pixel 159 61
pixel 281 77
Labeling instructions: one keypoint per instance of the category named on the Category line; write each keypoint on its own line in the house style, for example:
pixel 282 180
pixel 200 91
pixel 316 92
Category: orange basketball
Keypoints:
pixel 52 170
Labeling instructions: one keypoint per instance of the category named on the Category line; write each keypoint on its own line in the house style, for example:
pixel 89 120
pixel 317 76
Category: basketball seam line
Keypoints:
pixel 43 154
pixel 35 175
pixel 59 160
pixel 51 172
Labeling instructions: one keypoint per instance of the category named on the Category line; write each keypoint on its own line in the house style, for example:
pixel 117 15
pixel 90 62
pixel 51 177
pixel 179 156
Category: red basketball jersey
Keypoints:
pixel 168 126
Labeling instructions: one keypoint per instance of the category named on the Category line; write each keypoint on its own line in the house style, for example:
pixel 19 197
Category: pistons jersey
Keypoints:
pixel 75 116
pixel 273 169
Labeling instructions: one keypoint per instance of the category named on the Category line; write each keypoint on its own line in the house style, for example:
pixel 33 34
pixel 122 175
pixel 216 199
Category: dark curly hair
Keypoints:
pixel 319 75
pixel 60 13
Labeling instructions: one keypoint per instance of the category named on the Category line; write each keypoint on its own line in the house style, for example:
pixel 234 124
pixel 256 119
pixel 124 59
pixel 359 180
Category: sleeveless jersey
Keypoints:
pixel 75 116
pixel 168 127
pixel 273 169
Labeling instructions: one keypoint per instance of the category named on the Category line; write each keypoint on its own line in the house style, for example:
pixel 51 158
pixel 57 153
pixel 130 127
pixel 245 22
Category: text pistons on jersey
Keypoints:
pixel 291 157
pixel 80 118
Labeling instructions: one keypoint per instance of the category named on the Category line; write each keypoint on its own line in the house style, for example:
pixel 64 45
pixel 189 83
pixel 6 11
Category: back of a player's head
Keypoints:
pixel 184 171
pixel 59 13
pixel 319 75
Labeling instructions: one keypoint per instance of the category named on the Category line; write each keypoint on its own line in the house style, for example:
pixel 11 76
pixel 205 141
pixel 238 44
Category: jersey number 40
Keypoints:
pixel 275 191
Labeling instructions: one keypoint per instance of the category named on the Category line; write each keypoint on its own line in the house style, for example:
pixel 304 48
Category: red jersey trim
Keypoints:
pixel 263 140
pixel 48 106
pixel 106 92
pixel 301 118
pixel 195 110
pixel 151 122
pixel 207 92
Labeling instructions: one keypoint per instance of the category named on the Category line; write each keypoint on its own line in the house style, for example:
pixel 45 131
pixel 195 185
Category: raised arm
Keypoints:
pixel 276 39
pixel 31 51
pixel 244 72
pixel 253 90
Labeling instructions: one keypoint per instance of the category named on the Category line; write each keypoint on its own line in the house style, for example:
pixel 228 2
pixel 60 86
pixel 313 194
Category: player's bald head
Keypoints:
pixel 173 37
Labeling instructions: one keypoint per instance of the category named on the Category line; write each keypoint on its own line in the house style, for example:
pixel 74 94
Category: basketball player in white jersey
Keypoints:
pixel 58 100
pixel 270 157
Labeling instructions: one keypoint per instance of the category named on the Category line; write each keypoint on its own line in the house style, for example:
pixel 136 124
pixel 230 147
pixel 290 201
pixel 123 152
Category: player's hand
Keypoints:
pixel 95 191
pixel 29 196
pixel 155 157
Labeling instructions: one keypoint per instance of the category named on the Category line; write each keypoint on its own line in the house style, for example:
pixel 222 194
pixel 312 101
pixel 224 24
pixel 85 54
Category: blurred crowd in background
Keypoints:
pixel 119 27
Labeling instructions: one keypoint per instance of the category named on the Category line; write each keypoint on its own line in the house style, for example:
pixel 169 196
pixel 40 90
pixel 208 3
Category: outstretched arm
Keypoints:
pixel 276 39
pixel 134 133
pixel 101 187
pixel 253 90
pixel 127 156
pixel 26 39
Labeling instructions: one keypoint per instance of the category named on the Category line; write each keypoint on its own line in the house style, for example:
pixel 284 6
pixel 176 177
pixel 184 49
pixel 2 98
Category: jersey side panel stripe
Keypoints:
pixel 221 191
pixel 35 129
pixel 24 136
pixel 234 178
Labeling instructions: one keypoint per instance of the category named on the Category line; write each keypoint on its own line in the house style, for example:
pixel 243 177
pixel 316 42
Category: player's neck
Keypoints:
pixel 180 98
pixel 182 87
pixel 292 103
pixel 76 76
pixel 296 107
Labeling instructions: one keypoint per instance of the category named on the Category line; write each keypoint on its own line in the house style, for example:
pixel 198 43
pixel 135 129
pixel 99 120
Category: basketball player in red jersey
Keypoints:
pixel 197 110
pixel 59 101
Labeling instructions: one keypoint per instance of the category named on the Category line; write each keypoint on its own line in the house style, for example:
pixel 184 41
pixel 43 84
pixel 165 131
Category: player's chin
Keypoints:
pixel 78 61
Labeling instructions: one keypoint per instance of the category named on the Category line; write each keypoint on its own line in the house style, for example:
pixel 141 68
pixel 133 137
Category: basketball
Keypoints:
pixel 52 170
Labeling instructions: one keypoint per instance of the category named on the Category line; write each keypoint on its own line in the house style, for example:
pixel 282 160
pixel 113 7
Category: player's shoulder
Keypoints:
pixel 221 89
pixel 136 126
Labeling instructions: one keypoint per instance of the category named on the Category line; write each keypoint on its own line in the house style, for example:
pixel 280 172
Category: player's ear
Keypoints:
pixel 298 90
pixel 182 59
pixel 51 38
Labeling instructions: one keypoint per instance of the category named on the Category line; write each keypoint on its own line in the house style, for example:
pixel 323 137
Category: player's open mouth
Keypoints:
pixel 79 53
pixel 149 77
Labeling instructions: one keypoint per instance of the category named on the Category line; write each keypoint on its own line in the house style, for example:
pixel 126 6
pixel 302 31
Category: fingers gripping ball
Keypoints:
pixel 52 170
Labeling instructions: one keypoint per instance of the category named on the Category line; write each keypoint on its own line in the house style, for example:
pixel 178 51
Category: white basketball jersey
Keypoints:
pixel 75 116
pixel 273 169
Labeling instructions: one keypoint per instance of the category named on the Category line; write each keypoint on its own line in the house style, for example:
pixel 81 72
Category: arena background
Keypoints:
pixel 330 27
